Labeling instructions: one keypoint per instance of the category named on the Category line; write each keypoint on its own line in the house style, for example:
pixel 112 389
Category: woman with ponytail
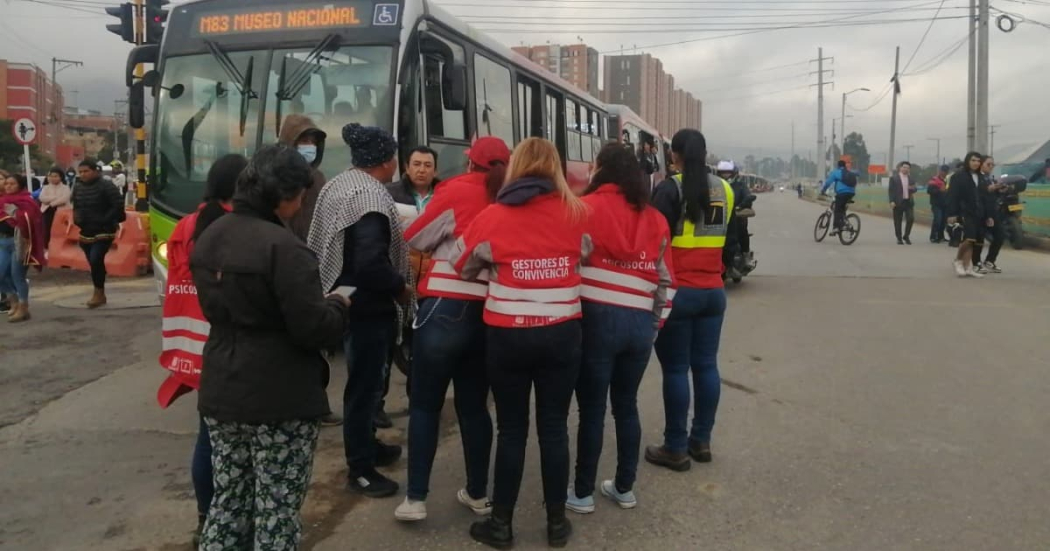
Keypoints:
pixel 449 340
pixel 697 206
pixel 184 327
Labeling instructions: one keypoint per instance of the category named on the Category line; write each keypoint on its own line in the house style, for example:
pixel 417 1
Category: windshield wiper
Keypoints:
pixel 243 82
pixel 289 87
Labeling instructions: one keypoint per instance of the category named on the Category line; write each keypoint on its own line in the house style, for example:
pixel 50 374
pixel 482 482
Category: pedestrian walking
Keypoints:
pixel 902 200
pixel 262 386
pixel 698 207
pixel 448 343
pixel 531 241
pixel 54 195
pixel 21 244
pixel 967 210
pixel 98 210
pixel 184 327
pixel 356 234
pixel 300 132
pixel 625 291
pixel 989 192
pixel 938 198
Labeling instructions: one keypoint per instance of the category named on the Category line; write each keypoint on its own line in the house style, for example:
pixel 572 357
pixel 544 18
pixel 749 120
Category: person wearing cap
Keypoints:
pixel 935 187
pixel 356 234
pixel 300 132
pixel 449 340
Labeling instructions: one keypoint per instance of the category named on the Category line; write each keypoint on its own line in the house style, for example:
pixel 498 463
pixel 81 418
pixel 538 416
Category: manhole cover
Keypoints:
pixel 115 301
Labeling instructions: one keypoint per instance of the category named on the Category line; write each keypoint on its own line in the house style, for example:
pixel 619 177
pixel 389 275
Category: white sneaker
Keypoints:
pixel 960 269
pixel 625 500
pixel 971 273
pixel 481 507
pixel 411 510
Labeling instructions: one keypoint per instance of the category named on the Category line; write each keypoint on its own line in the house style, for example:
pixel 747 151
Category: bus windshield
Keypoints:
pixel 232 103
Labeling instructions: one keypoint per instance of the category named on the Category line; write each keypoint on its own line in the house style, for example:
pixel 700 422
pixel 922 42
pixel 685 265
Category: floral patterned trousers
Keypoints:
pixel 261 474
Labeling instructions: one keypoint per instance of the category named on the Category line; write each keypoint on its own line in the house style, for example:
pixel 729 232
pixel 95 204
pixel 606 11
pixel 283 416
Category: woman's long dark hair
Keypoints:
pixel 61 174
pixel 691 148
pixel 618 165
pixel 966 161
pixel 222 181
pixel 495 176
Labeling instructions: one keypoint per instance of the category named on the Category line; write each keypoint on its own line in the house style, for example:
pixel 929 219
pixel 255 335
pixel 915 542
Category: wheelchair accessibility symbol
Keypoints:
pixel 386 15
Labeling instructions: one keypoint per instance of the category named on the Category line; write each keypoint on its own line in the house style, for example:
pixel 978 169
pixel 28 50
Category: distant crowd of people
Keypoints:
pixel 502 279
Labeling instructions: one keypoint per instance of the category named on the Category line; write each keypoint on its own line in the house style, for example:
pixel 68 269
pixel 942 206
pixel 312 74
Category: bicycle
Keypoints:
pixel 850 225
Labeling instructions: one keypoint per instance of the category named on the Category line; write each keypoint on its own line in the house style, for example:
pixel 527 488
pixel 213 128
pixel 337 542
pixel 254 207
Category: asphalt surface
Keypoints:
pixel 871 400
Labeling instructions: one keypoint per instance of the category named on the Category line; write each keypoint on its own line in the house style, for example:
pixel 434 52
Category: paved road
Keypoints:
pixel 871 400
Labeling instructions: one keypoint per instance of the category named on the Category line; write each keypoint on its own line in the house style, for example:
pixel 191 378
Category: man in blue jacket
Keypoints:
pixel 845 188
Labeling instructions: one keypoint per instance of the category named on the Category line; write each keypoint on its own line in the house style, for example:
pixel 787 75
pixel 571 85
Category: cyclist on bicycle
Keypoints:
pixel 845 181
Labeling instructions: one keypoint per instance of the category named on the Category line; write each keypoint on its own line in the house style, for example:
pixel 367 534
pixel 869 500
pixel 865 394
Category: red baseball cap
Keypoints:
pixel 487 150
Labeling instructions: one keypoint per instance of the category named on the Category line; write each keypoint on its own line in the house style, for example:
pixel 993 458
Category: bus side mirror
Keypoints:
pixel 137 105
pixel 454 86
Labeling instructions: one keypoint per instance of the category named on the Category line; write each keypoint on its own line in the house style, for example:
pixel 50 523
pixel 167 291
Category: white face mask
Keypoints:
pixel 309 152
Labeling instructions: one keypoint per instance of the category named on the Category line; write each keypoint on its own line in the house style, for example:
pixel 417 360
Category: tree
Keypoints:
pixel 858 151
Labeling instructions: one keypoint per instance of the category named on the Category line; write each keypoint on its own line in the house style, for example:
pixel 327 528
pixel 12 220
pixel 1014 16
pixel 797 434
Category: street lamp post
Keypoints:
pixel 842 129
pixel 938 140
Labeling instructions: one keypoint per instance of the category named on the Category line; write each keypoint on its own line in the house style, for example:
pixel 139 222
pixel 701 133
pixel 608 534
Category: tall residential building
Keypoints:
pixel 26 91
pixel 639 82
pixel 576 63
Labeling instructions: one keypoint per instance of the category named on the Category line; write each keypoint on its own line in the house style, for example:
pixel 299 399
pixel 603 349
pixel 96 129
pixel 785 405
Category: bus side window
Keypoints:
pixel 530 110
pixel 556 121
pixel 492 91
pixel 440 121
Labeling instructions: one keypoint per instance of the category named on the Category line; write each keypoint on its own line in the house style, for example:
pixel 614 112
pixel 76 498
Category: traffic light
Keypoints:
pixel 156 16
pixel 126 28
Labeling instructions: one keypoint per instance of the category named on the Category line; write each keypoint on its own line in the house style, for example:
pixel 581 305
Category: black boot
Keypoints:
pixel 558 527
pixel 496 531
pixel 200 529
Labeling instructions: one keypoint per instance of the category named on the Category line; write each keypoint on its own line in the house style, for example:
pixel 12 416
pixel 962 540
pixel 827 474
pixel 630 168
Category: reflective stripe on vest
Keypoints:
pixel 618 298
pixel 444 267
pixel 539 309
pixel 687 235
pixel 184 344
pixel 188 324
pixel 665 312
pixel 459 287
pixel 562 294
pixel 619 279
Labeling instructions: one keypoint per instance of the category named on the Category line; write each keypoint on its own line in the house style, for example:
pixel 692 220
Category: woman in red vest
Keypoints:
pixel 625 283
pixel 531 241
pixel 184 328
pixel 697 206
pixel 449 339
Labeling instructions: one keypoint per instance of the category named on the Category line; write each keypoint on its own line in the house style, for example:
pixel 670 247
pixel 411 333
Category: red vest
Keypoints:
pixel 534 252
pixel 453 207
pixel 627 266
pixel 184 328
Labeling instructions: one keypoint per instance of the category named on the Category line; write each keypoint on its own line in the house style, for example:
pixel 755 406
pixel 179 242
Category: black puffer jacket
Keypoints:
pixel 259 287
pixel 98 208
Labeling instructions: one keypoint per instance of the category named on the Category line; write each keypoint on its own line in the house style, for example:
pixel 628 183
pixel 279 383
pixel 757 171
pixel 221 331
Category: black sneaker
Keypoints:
pixel 495 531
pixel 907 241
pixel 386 454
pixel 372 484
pixel 991 268
pixel 382 420
pixel 700 451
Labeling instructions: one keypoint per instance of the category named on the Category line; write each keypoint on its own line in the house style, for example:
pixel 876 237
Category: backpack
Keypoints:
pixel 849 178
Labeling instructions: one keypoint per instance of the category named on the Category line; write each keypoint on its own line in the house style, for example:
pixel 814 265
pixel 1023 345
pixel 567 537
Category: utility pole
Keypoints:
pixel 938 140
pixel 141 204
pixel 822 168
pixel 792 151
pixel 971 80
pixel 66 63
pixel 893 119
pixel 981 117
pixel 991 132
pixel 908 149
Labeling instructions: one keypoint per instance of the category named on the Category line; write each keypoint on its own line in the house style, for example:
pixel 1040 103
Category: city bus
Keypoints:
pixel 227 72
pixel 631 130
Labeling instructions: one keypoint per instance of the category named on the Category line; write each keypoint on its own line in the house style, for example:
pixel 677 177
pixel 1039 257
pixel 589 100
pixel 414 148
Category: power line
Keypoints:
pixel 939 58
pixel 737 86
pixel 923 39
pixel 764 14
pixel 575 28
pixel 774 92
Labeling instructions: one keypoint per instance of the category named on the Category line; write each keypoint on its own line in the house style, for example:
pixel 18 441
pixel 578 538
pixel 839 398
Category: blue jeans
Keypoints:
pixel 201 471
pixel 617 343
pixel 939 221
pixel 12 272
pixel 366 344
pixel 449 347
pixel 688 343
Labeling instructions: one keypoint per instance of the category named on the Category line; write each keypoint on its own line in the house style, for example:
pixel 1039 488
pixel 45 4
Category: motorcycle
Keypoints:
pixel 739 264
pixel 1011 207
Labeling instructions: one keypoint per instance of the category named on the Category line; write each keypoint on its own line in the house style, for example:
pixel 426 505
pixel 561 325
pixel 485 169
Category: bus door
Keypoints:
pixel 530 109
pixel 554 121
pixel 447 127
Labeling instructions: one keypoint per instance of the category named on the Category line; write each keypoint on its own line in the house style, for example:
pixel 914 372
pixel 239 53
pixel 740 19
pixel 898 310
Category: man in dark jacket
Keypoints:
pixel 902 201
pixel 98 210
pixel 418 179
pixel 300 132
pixel 938 200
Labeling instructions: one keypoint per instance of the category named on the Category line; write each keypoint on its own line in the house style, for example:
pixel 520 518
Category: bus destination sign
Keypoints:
pixel 301 17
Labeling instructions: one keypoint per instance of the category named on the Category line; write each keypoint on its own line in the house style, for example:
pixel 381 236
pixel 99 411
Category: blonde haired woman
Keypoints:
pixel 532 241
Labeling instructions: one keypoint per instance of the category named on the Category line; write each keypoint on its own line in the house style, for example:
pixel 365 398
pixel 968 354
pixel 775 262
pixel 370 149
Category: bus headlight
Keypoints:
pixel 162 251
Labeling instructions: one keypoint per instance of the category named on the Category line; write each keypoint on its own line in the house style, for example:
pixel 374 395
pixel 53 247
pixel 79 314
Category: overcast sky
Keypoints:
pixel 744 110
